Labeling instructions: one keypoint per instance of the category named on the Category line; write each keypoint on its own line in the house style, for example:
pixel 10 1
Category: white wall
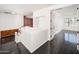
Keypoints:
pixel 58 22
pixel 32 38
pixel 41 18
pixel 8 21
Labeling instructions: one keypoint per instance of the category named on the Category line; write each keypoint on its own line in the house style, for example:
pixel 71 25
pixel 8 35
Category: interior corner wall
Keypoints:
pixel 41 18
pixel 8 21
pixel 58 22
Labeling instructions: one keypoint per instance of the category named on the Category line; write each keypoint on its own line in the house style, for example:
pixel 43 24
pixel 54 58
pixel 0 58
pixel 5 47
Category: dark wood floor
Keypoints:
pixel 58 45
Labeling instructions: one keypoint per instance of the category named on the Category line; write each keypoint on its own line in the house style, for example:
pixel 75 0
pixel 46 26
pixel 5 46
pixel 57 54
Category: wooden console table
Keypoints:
pixel 7 33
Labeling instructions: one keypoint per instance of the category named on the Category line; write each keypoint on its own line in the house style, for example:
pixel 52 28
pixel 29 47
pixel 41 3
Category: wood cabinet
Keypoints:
pixel 7 35
pixel 28 21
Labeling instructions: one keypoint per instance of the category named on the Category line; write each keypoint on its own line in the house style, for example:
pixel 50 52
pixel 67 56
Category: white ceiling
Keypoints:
pixel 22 8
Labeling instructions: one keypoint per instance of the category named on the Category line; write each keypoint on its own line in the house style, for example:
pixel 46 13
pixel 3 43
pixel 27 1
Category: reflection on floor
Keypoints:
pixel 63 43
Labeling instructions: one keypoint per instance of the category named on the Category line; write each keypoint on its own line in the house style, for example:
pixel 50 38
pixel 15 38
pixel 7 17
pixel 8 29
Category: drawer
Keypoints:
pixel 8 33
